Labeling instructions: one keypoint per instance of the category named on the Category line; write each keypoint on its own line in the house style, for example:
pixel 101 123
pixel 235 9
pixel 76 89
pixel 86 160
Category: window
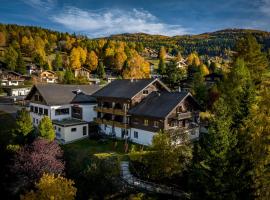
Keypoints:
pixel 146 122
pixel 73 129
pixel 136 134
pixel 63 111
pixel 84 130
pixel 145 91
pixel 40 111
pixel 36 97
pixel 36 121
pixel 45 111
pixel 54 127
pixel 36 109
pixel 32 108
pixel 59 129
pixel 76 112
pixel 156 123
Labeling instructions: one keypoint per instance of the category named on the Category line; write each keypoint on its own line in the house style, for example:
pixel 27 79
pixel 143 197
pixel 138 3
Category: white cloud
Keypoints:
pixel 41 4
pixel 113 21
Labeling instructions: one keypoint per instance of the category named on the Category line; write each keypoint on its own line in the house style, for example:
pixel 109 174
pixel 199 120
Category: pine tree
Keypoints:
pixel 11 57
pixel 20 67
pixel 58 62
pixel 250 51
pixel 100 70
pixel 161 67
pixel 210 173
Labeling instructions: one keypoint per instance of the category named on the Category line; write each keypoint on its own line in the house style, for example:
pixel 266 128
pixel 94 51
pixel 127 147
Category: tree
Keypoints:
pixel 20 66
pixel 174 75
pixel 24 122
pixel 211 163
pixel 46 129
pixel 58 62
pixel 162 53
pixel 75 58
pixel 2 39
pixel 32 160
pixel 119 60
pixel 161 67
pixel 257 149
pixel 92 61
pixel 204 69
pixel 11 57
pixel 193 59
pixel 100 70
pixel 69 77
pixel 52 187
pixel 249 50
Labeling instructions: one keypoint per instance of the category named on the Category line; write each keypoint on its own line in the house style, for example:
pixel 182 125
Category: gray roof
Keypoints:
pixel 158 105
pixel 125 88
pixel 57 94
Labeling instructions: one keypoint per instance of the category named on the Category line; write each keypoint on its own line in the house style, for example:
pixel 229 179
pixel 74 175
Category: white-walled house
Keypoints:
pixel 138 109
pixel 70 107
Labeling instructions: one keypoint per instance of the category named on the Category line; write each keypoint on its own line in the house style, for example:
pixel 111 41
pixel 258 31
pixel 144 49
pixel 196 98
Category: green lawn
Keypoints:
pixel 77 152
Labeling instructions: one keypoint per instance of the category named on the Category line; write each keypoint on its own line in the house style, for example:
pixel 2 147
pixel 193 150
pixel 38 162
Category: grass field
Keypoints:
pixel 77 152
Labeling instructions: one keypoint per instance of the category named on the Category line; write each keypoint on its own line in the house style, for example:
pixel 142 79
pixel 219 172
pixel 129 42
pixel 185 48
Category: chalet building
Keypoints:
pixel 48 76
pixel 86 73
pixel 70 107
pixel 10 78
pixel 16 91
pixel 138 109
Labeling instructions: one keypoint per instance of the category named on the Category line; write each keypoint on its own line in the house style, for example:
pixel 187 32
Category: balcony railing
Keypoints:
pixel 185 115
pixel 111 122
pixel 115 111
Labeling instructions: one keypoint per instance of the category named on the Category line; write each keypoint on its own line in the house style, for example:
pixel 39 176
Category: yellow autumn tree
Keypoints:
pixel 204 69
pixel 162 53
pixel 119 60
pixel 92 60
pixel 2 39
pixel 136 67
pixel 193 59
pixel 75 61
pixel 52 187
pixel 83 54
pixel 39 44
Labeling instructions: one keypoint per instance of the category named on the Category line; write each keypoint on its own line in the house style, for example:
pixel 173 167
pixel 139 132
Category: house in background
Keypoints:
pixel 15 91
pixel 139 108
pixel 11 78
pixel 70 107
pixel 82 72
pixel 48 76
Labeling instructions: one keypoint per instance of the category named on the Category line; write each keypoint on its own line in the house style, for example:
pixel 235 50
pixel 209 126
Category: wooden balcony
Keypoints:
pixel 109 110
pixel 185 115
pixel 120 124
pixel 107 122
pixel 119 112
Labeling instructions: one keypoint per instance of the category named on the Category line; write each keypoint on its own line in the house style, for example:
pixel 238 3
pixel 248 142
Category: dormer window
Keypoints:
pixel 145 91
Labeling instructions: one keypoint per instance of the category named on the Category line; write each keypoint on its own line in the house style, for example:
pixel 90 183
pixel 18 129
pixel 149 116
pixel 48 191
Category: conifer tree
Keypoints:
pixel 46 129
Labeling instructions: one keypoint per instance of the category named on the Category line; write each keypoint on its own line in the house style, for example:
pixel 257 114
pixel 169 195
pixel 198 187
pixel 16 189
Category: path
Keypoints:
pixel 149 186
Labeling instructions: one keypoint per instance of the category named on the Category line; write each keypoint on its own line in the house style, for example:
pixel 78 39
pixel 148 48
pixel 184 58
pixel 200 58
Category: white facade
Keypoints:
pixel 67 134
pixel 141 136
pixel 88 113
pixel 20 91
pixel 36 117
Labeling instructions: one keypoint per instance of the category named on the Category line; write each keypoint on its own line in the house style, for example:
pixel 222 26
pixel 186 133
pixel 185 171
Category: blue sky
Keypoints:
pixel 97 18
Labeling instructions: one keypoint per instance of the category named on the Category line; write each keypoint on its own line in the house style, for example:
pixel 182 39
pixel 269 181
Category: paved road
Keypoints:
pixel 151 187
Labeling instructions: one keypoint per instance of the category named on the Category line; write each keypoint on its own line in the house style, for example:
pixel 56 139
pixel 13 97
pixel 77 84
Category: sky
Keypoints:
pixel 99 18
